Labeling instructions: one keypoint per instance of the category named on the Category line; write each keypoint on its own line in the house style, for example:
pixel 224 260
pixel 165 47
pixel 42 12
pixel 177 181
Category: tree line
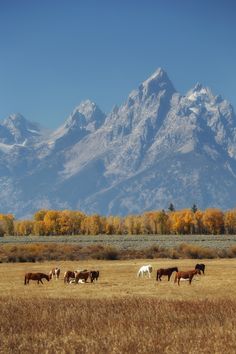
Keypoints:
pixel 67 222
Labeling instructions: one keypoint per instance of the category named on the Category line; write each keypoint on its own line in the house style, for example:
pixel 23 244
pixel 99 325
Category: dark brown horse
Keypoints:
pixel 36 276
pixel 94 275
pixel 166 271
pixel 201 267
pixel 84 275
pixel 189 274
pixel 69 275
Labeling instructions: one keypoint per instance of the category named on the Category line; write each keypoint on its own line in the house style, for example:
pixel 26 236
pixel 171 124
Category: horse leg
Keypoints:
pixel 41 281
pixel 178 280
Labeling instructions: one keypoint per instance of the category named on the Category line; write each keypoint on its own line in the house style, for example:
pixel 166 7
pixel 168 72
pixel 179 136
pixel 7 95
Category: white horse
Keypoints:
pixel 145 270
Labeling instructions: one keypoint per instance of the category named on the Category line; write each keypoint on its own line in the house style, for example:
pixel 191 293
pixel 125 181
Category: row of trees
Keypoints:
pixel 186 221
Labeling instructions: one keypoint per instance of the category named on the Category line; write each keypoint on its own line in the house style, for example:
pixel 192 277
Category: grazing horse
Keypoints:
pixel 201 267
pixel 55 272
pixel 82 275
pixel 94 275
pixel 68 275
pixel 186 275
pixel 145 270
pixel 36 276
pixel 166 271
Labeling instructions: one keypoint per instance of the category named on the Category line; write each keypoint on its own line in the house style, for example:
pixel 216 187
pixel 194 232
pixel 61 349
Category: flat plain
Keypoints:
pixel 120 313
pixel 128 241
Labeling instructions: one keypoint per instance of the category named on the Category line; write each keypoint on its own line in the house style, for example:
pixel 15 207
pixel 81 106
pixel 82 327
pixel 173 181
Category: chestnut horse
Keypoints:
pixel 166 271
pixel 189 274
pixel 36 276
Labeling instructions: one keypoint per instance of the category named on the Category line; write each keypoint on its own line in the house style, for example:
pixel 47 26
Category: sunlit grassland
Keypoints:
pixel 118 278
pixel 120 313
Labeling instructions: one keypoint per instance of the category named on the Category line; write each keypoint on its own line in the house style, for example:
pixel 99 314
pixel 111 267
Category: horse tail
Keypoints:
pixel 176 277
pixel 65 277
pixel 25 279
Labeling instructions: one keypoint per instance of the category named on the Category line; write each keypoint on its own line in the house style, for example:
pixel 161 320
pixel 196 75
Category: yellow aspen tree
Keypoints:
pixel 51 220
pixel 213 220
pixel 230 221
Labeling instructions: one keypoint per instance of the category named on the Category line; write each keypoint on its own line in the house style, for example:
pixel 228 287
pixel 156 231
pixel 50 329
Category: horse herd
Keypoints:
pixel 81 276
pixel 180 276
pixel 70 277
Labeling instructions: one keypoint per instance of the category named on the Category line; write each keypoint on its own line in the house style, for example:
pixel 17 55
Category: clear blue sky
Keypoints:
pixel 55 53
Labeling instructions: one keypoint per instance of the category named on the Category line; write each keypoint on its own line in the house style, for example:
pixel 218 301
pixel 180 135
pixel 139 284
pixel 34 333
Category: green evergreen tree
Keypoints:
pixel 171 207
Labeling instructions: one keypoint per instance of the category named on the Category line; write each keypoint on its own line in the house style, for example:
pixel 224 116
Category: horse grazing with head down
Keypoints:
pixel 201 267
pixel 167 271
pixel 55 272
pixel 36 276
pixel 145 270
pixel 189 274
pixel 94 275
pixel 83 275
pixel 68 275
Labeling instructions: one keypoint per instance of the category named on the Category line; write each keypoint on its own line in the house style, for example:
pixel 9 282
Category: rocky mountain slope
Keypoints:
pixel 156 148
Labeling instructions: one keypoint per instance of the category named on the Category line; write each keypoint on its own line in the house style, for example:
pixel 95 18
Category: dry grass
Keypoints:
pixel 120 313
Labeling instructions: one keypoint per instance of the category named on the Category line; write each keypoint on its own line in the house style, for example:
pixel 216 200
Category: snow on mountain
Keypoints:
pixel 156 148
pixel 85 119
pixel 17 130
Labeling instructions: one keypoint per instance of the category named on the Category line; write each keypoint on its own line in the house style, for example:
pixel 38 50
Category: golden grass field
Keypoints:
pixel 120 313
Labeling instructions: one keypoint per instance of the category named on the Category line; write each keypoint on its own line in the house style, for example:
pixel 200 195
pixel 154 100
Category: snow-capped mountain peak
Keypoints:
pixel 199 92
pixel 18 130
pixel 85 119
pixel 88 108
pixel 158 81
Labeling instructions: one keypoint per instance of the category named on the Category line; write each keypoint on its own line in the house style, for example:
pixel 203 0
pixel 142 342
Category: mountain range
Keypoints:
pixel 157 148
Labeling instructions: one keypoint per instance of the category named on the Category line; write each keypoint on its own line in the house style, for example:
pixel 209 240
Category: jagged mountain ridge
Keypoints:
pixel 156 148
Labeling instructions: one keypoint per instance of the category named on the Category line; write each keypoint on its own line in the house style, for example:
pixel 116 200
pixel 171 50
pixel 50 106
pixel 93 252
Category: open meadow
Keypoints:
pixel 120 313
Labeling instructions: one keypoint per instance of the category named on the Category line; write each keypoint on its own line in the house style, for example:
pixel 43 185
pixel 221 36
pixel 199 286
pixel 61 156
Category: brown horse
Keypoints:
pixel 166 271
pixel 36 276
pixel 69 275
pixel 187 275
pixel 55 272
pixel 94 275
pixel 84 275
